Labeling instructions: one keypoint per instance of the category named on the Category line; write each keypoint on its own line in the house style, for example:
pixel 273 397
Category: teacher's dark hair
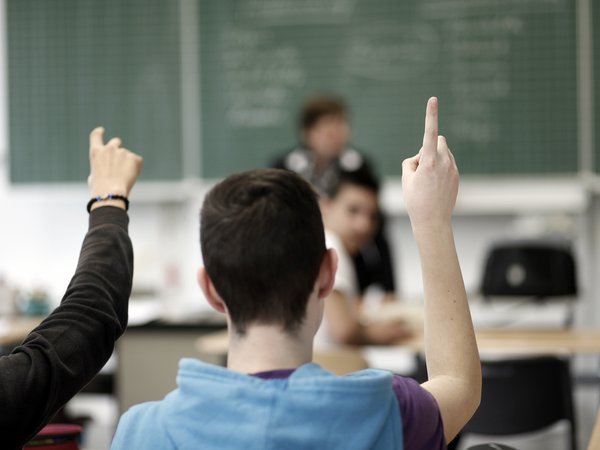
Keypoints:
pixel 263 242
pixel 319 106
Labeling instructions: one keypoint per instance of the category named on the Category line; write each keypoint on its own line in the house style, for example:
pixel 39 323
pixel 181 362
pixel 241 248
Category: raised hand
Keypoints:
pixel 113 169
pixel 430 187
pixel 430 178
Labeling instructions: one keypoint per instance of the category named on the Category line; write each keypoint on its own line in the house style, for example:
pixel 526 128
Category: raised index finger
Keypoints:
pixel 430 137
pixel 96 137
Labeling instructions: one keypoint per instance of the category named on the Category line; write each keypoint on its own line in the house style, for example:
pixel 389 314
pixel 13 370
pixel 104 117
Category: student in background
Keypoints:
pixel 269 271
pixel 351 216
pixel 71 345
pixel 323 153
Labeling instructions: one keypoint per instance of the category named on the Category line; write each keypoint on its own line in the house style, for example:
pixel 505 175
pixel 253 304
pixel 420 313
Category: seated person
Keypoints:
pixel 71 345
pixel 323 153
pixel 269 271
pixel 351 217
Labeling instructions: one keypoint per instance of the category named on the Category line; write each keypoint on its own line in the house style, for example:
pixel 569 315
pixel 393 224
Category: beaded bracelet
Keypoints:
pixel 99 198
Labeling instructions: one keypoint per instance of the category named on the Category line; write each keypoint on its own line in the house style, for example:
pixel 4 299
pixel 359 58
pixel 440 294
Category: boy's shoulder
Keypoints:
pixel 421 417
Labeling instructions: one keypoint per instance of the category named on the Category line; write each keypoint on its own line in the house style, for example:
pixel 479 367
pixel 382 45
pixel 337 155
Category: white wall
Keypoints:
pixel 42 228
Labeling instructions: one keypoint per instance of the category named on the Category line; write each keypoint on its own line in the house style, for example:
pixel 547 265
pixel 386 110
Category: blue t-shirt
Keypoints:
pixel 421 420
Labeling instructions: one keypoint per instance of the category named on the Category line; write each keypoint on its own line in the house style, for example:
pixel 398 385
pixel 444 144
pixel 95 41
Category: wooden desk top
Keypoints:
pixel 529 342
pixel 15 329
pixel 519 339
pixel 574 340
pixel 496 341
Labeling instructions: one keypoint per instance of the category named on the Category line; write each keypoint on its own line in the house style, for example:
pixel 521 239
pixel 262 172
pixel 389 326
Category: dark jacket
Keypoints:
pixel 71 345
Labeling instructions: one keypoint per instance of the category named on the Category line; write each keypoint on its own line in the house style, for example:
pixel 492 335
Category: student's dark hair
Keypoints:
pixel 263 243
pixel 362 177
pixel 319 106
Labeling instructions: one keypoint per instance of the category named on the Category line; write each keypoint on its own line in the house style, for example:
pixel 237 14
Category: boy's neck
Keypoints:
pixel 264 348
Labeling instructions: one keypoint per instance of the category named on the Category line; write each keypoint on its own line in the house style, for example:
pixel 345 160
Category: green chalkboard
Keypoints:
pixel 504 70
pixel 76 64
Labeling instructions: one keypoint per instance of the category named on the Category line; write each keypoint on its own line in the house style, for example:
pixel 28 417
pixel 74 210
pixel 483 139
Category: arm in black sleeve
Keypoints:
pixel 71 345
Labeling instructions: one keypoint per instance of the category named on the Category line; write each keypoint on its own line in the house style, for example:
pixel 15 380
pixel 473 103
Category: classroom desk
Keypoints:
pixel 489 341
pixel 539 341
pixel 538 330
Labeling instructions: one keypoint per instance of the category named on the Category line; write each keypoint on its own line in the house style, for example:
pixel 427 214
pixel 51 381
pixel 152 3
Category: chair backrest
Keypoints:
pixel 524 395
pixel 539 268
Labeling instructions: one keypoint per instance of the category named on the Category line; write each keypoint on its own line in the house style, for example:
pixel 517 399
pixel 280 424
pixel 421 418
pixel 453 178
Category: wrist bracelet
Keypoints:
pixel 99 198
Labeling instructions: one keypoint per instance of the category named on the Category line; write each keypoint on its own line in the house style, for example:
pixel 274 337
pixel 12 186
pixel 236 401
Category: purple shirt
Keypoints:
pixel 421 420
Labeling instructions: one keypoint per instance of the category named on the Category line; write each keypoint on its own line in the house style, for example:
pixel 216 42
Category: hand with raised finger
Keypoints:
pixel 113 169
pixel 430 178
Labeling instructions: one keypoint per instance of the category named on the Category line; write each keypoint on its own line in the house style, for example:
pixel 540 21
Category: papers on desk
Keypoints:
pixel 496 313
pixel 397 359
pixel 521 313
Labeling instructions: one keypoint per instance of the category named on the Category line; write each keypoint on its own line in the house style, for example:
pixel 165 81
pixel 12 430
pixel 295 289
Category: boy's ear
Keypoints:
pixel 327 272
pixel 211 294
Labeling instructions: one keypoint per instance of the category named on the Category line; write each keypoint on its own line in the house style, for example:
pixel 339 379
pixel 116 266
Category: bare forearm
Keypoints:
pixel 450 347
pixel 449 337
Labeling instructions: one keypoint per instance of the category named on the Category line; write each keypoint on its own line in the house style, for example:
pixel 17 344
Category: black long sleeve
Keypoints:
pixel 71 345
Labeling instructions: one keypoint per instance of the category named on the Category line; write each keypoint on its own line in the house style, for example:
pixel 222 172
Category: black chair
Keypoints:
pixel 540 268
pixel 524 395
pixel 534 270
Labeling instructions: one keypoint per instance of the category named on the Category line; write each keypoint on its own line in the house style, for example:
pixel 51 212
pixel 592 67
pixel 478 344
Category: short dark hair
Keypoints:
pixel 319 106
pixel 263 243
pixel 362 177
